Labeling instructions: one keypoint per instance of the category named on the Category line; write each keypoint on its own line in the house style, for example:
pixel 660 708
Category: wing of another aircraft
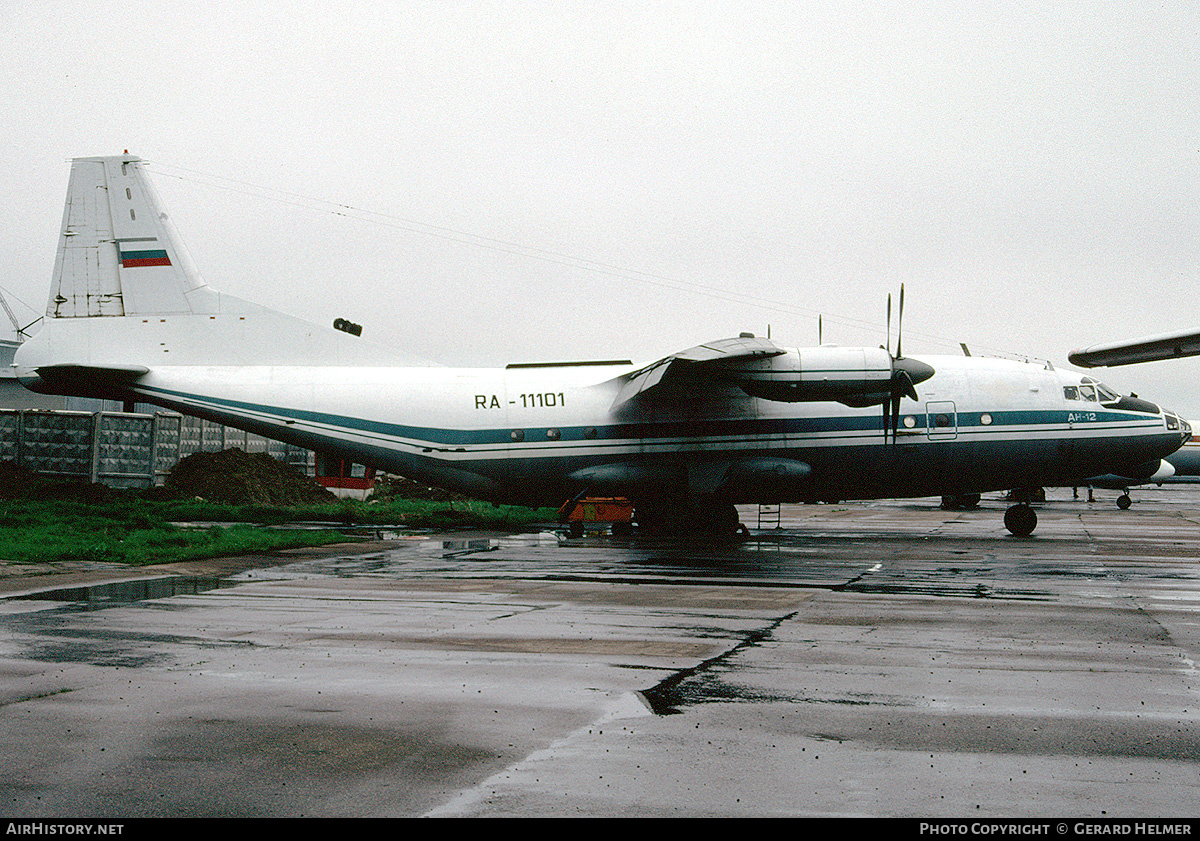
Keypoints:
pixel 1148 349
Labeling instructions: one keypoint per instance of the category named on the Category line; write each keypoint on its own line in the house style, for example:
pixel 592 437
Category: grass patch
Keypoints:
pixel 408 513
pixel 129 528
pixel 45 520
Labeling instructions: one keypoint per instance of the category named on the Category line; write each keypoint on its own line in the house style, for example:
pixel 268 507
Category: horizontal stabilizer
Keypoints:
pixel 103 381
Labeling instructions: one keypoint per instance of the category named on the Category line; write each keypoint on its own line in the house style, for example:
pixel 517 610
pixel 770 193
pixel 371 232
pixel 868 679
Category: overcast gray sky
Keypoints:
pixel 488 182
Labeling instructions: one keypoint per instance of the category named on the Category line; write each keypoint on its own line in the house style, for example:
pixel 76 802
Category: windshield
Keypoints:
pixel 1091 391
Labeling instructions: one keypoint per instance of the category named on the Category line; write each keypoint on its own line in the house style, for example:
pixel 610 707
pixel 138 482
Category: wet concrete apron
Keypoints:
pixel 883 659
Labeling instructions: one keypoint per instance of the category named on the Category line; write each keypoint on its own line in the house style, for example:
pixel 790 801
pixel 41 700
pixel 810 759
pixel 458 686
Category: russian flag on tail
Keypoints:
pixel 141 252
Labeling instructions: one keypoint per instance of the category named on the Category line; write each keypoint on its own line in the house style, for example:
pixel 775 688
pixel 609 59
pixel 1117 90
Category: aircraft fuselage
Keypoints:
pixel 733 420
pixel 539 435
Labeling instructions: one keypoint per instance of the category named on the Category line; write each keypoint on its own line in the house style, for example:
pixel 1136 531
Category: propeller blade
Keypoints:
pixel 906 373
pixel 902 385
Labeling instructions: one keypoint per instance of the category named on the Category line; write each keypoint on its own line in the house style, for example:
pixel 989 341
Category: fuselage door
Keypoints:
pixel 941 420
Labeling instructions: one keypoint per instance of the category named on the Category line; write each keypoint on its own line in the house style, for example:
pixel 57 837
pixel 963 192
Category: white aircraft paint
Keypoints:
pixel 731 421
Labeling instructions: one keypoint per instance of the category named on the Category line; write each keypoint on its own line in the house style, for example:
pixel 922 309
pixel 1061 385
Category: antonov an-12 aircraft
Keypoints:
pixel 736 420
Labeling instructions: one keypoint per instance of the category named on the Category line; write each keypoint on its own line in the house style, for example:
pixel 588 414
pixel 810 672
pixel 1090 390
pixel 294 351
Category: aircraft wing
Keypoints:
pixel 709 357
pixel 856 376
pixel 1148 349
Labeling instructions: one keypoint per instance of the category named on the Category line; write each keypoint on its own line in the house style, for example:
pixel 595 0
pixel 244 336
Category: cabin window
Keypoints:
pixel 518 435
pixel 553 434
pixel 909 421
pixel 985 419
pixel 1071 392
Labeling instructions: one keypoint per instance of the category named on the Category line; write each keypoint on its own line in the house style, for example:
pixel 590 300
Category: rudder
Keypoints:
pixel 118 252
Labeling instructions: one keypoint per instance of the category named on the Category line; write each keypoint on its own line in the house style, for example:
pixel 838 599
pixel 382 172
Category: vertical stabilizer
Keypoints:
pixel 125 300
pixel 118 253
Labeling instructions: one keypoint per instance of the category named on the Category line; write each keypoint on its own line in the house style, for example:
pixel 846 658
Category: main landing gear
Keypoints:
pixel 1020 519
pixel 706 518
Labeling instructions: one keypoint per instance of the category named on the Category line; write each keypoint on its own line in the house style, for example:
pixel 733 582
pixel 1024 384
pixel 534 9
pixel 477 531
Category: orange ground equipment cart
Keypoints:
pixel 577 514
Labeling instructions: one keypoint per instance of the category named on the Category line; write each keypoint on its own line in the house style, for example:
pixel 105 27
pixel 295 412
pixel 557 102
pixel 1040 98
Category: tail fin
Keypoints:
pixel 118 253
pixel 126 301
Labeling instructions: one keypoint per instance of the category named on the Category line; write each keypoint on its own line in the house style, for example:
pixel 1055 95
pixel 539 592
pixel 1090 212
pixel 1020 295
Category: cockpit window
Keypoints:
pixel 1092 391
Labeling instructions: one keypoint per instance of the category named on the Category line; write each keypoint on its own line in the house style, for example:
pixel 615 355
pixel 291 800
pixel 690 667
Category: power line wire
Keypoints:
pixel 518 249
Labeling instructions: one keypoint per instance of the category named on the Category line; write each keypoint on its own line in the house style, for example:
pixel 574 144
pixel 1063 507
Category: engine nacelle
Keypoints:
pixel 855 376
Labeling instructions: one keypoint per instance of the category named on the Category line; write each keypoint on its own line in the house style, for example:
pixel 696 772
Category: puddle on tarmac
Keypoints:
pixel 127 592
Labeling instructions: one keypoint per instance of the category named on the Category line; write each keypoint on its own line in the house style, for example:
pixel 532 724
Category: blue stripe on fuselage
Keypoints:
pixel 685 429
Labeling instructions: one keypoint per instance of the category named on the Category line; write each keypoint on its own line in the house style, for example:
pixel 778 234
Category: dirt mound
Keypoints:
pixel 19 483
pixel 236 477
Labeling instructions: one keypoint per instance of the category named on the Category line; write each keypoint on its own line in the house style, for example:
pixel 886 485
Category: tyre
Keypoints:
pixel 1021 520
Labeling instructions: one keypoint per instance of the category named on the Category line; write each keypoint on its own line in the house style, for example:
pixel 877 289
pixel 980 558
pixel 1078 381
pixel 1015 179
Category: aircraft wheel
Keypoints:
pixel 1124 501
pixel 704 517
pixel 717 518
pixel 662 518
pixel 1021 520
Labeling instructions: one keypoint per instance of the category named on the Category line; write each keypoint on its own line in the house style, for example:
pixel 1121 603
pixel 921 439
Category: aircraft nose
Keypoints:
pixel 1177 424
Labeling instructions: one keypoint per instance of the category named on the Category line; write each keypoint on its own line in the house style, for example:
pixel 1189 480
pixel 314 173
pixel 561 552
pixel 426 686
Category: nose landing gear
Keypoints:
pixel 1020 519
